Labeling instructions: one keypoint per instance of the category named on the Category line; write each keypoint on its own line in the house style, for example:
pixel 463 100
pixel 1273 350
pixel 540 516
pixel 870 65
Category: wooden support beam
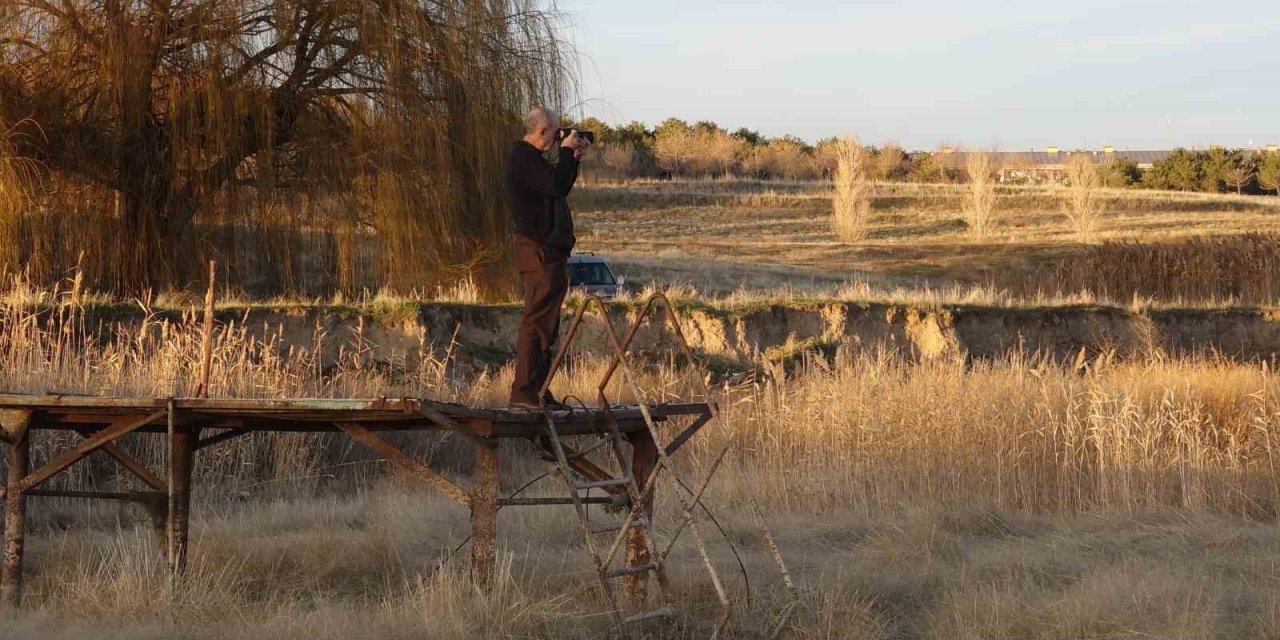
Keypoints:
pixel 120 428
pixel 132 464
pixel 484 513
pixel 472 431
pixel 218 438
pixel 403 461
pixel 687 434
pixel 15 514
pixel 182 450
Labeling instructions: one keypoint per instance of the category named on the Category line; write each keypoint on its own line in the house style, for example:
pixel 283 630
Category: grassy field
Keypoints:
pixel 720 235
pixel 1015 497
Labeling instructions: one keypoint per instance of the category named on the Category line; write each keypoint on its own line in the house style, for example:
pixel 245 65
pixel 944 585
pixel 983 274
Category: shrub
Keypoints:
pixel 851 206
pixel 1083 205
pixel 979 209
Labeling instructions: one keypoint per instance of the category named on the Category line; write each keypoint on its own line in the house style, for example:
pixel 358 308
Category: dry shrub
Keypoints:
pixel 979 208
pixel 610 161
pixel 851 205
pixel 1083 205
pixel 1242 269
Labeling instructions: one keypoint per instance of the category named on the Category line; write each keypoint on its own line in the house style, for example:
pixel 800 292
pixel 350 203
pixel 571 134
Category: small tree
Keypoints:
pixel 1240 177
pixel 851 204
pixel 673 147
pixel 979 208
pixel 1121 173
pixel 1217 165
pixel 1269 172
pixel 890 162
pixel 1083 206
pixel 1180 170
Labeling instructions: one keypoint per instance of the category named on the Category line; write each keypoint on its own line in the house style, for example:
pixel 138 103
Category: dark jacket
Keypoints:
pixel 537 192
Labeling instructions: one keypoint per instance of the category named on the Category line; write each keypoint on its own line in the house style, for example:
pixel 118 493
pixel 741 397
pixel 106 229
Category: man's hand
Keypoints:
pixel 571 141
pixel 580 146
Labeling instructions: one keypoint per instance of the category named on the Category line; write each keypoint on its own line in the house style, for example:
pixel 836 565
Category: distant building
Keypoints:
pixel 1050 165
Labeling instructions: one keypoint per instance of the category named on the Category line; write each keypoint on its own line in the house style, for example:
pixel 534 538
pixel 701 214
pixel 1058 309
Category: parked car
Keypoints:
pixel 590 274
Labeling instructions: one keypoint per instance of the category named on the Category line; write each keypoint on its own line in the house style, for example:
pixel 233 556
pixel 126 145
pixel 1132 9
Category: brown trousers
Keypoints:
pixel 544 276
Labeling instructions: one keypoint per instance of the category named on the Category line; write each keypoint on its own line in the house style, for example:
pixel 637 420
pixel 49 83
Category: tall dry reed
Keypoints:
pixel 851 204
pixel 1083 206
pixel 1240 269
pixel 856 429
pixel 979 207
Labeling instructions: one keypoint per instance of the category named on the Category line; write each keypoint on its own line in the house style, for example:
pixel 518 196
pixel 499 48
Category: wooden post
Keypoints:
pixel 15 515
pixel 182 447
pixel 206 346
pixel 484 512
pixel 644 459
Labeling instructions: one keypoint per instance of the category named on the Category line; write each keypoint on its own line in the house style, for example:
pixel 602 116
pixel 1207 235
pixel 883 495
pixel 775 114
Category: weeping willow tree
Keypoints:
pixel 387 119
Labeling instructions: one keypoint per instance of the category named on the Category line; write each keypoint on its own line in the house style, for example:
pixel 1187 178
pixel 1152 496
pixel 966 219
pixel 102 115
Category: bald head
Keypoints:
pixel 539 118
pixel 540 128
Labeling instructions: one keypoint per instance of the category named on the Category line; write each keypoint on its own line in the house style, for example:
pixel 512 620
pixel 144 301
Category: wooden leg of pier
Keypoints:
pixel 182 448
pixel 644 459
pixel 15 514
pixel 484 512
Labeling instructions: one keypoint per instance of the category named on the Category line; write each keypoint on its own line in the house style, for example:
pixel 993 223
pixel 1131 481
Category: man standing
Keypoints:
pixel 544 239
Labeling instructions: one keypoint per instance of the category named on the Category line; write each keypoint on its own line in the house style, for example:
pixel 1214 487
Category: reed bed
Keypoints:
pixel 1233 269
pixel 1024 433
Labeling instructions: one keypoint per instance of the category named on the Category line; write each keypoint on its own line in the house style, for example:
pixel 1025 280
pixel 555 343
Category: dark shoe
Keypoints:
pixel 552 404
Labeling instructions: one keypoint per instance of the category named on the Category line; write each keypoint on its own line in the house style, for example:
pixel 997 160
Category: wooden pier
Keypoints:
pixel 191 425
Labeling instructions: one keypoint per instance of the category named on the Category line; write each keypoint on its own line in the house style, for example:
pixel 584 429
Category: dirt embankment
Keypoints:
pixel 484 335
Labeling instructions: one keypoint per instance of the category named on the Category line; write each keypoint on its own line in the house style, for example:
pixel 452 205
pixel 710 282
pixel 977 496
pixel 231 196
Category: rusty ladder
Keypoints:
pixel 637 525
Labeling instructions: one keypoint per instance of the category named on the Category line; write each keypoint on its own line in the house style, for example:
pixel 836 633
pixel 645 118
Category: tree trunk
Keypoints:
pixel 155 222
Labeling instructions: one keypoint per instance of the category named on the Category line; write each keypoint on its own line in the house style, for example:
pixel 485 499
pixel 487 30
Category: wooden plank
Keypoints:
pixel 400 459
pixel 89 445
pixel 320 407
pixel 40 402
pixel 625 412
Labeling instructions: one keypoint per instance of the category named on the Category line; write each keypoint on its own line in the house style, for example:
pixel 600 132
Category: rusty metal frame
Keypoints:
pixel 648 471
pixel 649 459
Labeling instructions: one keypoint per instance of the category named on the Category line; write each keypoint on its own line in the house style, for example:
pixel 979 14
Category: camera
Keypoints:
pixel 589 136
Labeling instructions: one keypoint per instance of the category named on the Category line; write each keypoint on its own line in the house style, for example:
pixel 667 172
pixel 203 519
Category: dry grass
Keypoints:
pixel 851 204
pixel 722 235
pixel 1015 498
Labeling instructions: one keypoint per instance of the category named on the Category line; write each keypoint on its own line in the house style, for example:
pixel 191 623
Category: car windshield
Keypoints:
pixel 584 273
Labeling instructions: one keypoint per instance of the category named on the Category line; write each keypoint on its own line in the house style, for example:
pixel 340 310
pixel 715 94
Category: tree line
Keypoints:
pixel 678 149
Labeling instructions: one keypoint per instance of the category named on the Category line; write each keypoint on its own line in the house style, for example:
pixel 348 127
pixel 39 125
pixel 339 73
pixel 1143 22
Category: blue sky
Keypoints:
pixel 1020 75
